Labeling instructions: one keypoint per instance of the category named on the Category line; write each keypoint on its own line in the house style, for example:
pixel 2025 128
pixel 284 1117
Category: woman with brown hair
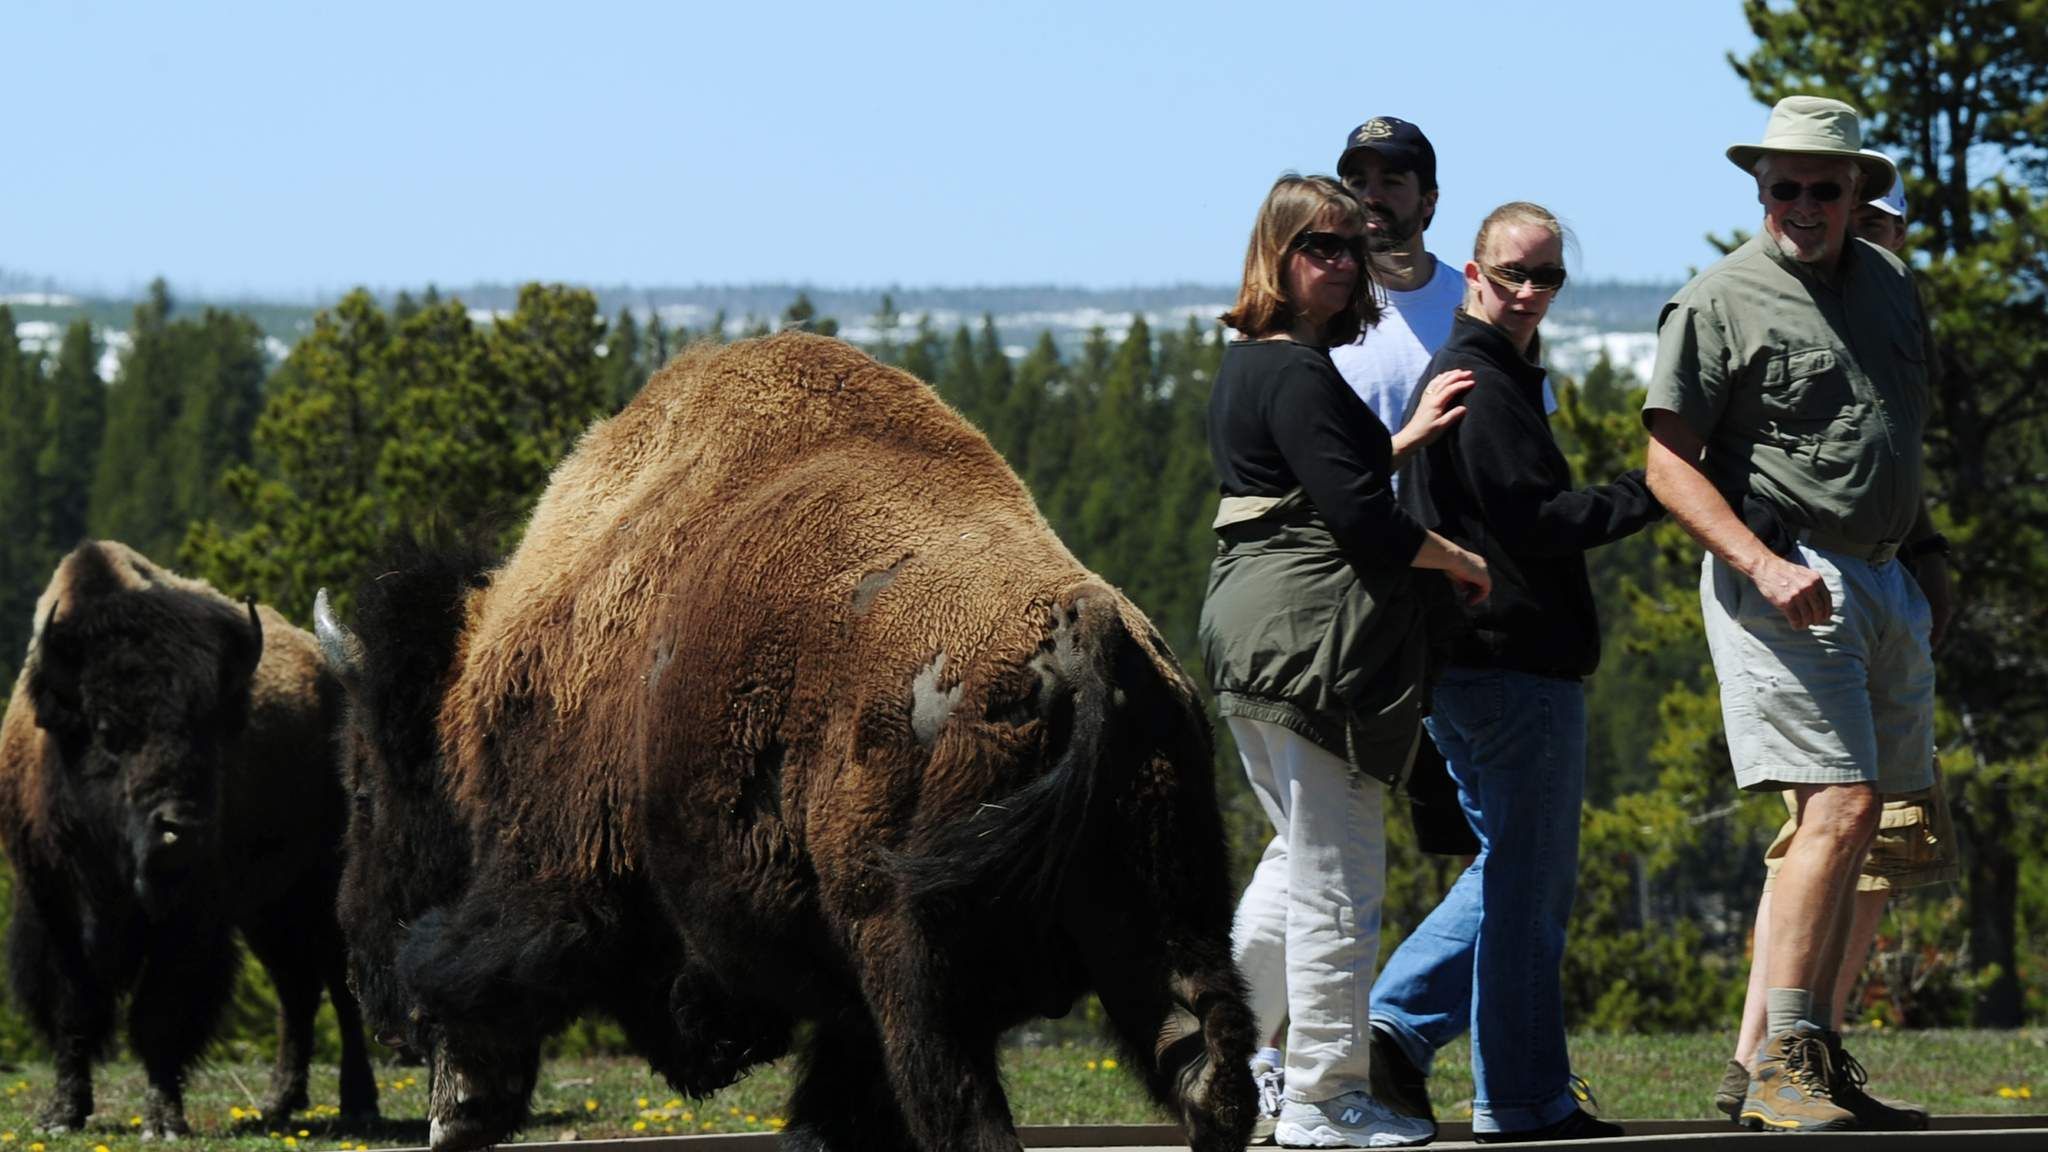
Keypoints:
pixel 1312 636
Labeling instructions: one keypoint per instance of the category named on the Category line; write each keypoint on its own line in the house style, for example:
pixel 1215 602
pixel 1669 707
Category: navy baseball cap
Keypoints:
pixel 1400 145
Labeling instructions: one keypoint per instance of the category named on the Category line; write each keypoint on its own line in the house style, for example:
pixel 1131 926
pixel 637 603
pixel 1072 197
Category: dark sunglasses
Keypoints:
pixel 1329 246
pixel 1825 192
pixel 1548 278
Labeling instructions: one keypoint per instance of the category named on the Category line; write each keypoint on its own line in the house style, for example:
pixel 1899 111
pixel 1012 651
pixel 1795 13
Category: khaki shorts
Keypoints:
pixel 1847 701
pixel 1915 845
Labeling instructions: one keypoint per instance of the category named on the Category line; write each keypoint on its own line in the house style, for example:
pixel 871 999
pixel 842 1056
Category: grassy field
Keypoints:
pixel 1634 1076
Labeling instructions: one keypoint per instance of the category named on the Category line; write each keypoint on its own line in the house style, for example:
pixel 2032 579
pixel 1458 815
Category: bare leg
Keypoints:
pixel 1862 936
pixel 1817 881
pixel 1752 1032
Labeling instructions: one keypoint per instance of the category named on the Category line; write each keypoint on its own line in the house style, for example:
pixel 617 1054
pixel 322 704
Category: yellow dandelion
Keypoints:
pixel 674 1103
pixel 36 1147
pixel 235 1113
pixel 590 1104
pixel 277 1135
pixel 6 1137
pixel 733 1111
pixel 753 1119
pixel 640 1102
pixel 303 1133
pixel 1877 1021
pixel 777 1123
pixel 291 1141
pixel 689 1117
pixel 1109 1064
pixel 639 1125
pixel 101 1148
pixel 707 1126
pixel 2006 1092
pixel 1090 1065
pixel 135 1121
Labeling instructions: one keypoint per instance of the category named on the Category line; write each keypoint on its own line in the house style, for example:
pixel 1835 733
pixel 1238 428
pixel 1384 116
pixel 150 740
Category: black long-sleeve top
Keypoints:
pixel 1497 483
pixel 1280 418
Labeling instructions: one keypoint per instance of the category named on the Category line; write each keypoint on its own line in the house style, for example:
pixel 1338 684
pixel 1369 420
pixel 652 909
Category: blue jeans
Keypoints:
pixel 1487 958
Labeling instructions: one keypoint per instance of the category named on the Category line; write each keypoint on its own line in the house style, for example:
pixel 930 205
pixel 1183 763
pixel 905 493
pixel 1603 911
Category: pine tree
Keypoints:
pixel 23 568
pixel 74 420
pixel 802 315
pixel 959 380
pixel 886 318
pixel 624 367
pixel 993 379
pixel 921 355
pixel 1123 458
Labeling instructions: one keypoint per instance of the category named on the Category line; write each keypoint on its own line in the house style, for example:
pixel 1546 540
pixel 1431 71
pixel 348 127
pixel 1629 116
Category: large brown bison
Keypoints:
pixel 788 658
pixel 167 777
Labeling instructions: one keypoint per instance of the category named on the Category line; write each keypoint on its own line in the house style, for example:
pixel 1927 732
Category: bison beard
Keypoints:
pixel 791 708
pixel 167 779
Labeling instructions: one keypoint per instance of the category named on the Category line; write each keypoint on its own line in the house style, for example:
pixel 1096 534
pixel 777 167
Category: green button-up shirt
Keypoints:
pixel 1811 396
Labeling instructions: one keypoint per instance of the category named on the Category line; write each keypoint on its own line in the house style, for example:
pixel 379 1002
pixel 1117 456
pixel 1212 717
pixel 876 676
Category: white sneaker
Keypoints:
pixel 1353 1120
pixel 1271 1083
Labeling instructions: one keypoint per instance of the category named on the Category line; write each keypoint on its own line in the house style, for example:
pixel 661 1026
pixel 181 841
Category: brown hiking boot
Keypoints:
pixel 1734 1086
pixel 1791 1089
pixel 1871 1113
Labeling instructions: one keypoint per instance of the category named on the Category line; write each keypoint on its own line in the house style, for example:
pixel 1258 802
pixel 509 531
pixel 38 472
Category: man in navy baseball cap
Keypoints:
pixel 1401 146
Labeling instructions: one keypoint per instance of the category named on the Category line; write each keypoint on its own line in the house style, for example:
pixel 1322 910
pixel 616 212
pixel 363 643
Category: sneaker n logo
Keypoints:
pixel 1352 1117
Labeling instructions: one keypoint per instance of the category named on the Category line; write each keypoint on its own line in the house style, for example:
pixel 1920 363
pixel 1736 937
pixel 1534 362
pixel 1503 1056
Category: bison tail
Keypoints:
pixel 1016 850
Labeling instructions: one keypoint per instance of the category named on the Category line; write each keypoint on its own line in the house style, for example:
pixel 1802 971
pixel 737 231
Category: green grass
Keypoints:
pixel 1635 1076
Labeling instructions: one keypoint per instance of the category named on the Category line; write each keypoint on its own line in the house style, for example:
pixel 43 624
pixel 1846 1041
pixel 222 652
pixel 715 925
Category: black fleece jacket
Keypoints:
pixel 1497 484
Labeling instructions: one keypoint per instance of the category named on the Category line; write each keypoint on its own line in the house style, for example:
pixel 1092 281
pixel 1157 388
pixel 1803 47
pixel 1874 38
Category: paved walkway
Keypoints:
pixel 1966 1133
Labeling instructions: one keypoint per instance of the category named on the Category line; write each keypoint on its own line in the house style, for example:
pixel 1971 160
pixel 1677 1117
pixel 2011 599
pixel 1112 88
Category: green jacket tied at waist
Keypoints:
pixel 1293 635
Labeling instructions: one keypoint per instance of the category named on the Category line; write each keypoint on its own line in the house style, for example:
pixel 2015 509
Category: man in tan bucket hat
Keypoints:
pixel 1785 412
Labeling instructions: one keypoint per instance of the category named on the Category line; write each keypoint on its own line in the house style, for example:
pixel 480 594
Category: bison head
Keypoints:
pixel 407 853
pixel 143 688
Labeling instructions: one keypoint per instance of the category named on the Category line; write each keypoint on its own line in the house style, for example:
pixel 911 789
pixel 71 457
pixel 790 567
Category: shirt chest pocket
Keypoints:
pixel 1808 393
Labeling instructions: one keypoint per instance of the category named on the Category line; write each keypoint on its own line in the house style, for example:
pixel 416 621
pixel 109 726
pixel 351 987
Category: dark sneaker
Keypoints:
pixel 1871 1113
pixel 1577 1126
pixel 1396 1081
pixel 1792 1086
pixel 1734 1086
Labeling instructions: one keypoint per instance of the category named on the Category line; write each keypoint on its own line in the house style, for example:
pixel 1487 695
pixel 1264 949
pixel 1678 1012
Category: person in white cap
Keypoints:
pixel 1915 845
pixel 1786 410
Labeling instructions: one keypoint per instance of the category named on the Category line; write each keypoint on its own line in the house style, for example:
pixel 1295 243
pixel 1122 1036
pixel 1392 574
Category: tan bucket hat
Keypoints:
pixel 1818 126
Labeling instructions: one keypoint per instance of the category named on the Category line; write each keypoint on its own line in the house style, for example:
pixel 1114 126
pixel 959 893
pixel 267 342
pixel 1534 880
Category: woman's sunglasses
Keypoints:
pixel 1329 246
pixel 1825 192
pixel 1548 278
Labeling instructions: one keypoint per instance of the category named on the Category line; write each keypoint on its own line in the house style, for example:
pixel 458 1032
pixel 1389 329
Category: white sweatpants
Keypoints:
pixel 1307 933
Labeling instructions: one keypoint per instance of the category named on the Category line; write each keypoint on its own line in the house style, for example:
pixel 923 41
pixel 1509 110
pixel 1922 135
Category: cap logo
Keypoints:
pixel 1373 129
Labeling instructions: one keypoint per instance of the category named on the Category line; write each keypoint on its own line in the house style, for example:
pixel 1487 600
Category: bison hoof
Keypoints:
pixel 61 1115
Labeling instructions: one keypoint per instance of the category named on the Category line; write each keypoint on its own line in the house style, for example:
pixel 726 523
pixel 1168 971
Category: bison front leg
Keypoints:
pixel 843 1101
pixel 941 1065
pixel 287 955
pixel 72 1010
pixel 186 979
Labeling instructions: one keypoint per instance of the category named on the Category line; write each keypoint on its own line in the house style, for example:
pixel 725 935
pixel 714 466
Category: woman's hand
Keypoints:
pixel 1466 568
pixel 1469 576
pixel 1438 410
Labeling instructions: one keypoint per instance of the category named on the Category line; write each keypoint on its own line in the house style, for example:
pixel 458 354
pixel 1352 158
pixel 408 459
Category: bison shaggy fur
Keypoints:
pixel 788 659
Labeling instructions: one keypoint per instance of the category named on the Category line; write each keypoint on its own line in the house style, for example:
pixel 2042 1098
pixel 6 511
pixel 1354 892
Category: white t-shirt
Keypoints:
pixel 1385 364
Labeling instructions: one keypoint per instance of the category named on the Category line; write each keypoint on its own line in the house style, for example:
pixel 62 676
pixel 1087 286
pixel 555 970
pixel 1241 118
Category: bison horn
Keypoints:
pixel 255 623
pixel 169 839
pixel 344 652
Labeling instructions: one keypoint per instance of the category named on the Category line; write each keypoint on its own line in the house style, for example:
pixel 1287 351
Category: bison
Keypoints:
pixel 788 662
pixel 168 778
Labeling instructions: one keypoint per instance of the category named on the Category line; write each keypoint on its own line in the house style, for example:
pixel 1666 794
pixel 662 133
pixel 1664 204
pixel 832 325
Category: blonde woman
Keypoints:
pixel 1509 710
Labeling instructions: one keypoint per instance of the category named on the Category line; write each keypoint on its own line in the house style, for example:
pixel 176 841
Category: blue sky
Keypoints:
pixel 301 148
